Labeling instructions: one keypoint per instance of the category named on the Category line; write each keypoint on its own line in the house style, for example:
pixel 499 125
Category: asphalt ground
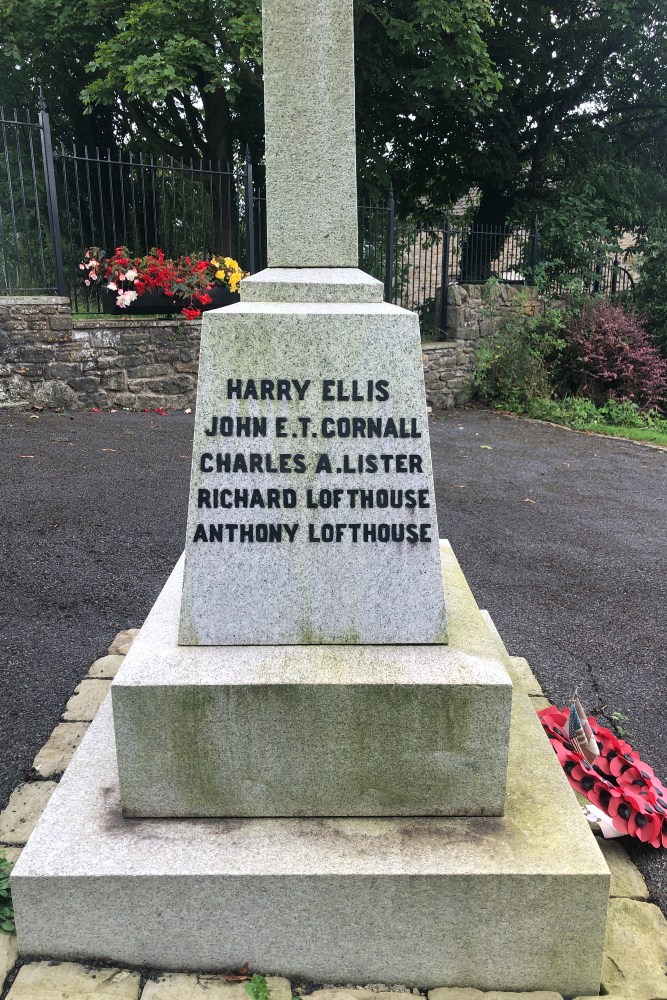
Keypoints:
pixel 562 536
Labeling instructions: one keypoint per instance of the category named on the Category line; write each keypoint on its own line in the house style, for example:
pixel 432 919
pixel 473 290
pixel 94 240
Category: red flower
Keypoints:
pixel 191 313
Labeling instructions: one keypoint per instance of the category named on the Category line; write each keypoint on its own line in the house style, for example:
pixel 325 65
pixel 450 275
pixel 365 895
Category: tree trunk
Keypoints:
pixel 486 237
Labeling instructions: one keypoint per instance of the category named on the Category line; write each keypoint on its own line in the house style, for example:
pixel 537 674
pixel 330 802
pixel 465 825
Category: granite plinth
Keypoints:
pixel 311 284
pixel 312 730
pixel 483 902
pixel 312 513
pixel 311 175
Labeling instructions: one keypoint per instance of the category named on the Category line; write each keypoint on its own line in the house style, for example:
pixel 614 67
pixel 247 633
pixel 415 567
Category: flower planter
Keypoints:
pixel 152 303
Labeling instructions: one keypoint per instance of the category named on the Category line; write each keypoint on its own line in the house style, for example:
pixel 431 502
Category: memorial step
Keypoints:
pixel 312 730
pixel 494 903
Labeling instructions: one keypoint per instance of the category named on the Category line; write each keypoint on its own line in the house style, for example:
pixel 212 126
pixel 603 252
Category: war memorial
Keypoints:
pixel 313 759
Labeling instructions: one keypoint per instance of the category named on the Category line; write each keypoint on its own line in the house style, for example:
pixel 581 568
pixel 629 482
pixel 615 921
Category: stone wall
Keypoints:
pixel 474 312
pixel 48 359
pixel 478 311
pixel 448 370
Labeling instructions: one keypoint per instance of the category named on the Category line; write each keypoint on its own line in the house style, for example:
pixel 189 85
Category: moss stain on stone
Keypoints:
pixel 194 766
pixel 309 636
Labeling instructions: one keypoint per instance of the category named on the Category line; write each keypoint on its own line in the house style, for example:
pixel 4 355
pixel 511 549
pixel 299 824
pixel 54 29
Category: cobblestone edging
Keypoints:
pixel 50 360
pixel 635 959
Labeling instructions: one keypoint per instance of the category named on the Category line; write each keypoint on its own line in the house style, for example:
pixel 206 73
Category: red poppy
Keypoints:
pixel 618 783
pixel 645 826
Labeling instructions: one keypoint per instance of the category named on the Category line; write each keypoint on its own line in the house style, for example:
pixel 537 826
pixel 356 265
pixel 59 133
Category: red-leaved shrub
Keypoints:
pixel 609 355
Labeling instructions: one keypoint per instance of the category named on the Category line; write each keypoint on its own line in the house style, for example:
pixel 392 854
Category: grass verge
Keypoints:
pixel 615 419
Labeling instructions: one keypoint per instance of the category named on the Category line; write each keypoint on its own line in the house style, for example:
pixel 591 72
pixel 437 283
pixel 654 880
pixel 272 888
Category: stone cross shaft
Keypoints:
pixel 310 133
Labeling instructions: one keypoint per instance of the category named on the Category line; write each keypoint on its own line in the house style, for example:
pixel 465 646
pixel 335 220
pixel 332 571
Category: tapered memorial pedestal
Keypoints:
pixel 312 511
pixel 339 695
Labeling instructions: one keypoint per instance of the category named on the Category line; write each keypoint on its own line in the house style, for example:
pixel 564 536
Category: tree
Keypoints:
pixel 47 45
pixel 179 70
pixel 186 79
pixel 423 77
pixel 582 104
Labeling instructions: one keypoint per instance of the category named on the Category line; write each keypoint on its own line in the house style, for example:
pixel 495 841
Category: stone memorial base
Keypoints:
pixel 310 730
pixel 511 903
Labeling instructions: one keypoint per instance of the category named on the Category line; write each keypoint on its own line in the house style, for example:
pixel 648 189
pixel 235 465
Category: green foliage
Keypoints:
pixel 574 236
pixel 186 79
pixel 617 419
pixel 650 295
pixel 513 367
pixel 6 908
pixel 548 109
pixel 578 134
pixel 582 413
pixel 257 988
pixel 423 77
pixel 533 358
pixel 617 720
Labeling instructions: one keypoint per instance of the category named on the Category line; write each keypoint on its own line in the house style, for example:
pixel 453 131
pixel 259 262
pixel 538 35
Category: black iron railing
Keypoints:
pixel 112 198
pixel 56 203
pixel 30 250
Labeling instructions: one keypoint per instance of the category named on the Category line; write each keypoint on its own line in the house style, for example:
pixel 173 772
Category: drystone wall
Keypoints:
pixel 51 360
pixel 48 359
pixel 474 312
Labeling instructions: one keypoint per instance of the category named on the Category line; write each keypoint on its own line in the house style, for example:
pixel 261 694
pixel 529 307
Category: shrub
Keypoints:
pixel 582 414
pixel 573 411
pixel 6 908
pixel 513 367
pixel 609 356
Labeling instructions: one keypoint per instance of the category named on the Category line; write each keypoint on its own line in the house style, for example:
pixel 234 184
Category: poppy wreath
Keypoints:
pixel 617 782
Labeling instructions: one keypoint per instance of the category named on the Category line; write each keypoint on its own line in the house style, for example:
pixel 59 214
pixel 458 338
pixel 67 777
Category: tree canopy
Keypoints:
pixel 555 109
pixel 580 122
pixel 186 79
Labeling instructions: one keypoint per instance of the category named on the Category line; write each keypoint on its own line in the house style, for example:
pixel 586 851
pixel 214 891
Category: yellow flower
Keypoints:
pixel 234 280
pixel 215 262
pixel 220 274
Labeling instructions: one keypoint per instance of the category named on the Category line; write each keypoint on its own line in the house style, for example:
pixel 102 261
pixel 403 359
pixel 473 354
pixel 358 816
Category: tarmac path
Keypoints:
pixel 563 538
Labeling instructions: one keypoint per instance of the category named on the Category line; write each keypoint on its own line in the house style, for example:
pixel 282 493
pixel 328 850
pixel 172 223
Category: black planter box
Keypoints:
pixel 152 303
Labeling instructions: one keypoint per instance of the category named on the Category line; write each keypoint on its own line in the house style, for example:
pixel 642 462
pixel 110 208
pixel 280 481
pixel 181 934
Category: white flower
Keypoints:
pixel 86 282
pixel 130 275
pixel 93 275
pixel 125 298
pixel 112 286
pixel 121 276
pixel 82 267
